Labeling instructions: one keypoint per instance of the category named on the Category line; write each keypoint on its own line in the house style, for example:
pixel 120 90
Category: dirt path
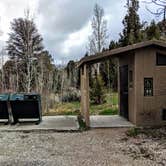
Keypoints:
pixel 107 147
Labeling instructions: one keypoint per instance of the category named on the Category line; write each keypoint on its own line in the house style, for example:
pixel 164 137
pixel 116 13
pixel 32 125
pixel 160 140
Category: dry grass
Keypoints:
pixel 110 107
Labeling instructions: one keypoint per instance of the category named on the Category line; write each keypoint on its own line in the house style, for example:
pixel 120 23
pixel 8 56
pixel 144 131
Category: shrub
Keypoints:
pixel 133 132
pixel 71 95
pixel 97 91
pixel 109 112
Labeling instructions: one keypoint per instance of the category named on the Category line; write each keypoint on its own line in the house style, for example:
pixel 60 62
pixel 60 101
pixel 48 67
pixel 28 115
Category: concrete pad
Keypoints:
pixel 55 123
pixel 104 121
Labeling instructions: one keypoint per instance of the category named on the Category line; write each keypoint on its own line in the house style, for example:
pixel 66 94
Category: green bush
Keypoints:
pixel 71 95
pixel 133 132
pixel 97 91
pixel 109 112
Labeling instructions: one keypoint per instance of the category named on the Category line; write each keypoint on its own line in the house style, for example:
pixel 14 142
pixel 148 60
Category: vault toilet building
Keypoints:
pixel 141 82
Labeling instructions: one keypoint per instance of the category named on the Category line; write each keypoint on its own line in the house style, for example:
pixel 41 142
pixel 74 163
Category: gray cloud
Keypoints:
pixel 64 23
pixel 59 19
pixel 63 16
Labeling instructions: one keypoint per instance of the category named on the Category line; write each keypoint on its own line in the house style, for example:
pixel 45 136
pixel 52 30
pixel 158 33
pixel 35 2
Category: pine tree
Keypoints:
pixel 162 28
pixel 24 40
pixel 24 47
pixel 132 26
pixel 152 31
pixel 113 44
pixel 97 91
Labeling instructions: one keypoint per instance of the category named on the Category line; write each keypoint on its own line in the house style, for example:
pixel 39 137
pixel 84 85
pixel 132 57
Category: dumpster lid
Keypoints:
pixel 4 97
pixel 24 96
pixel 16 96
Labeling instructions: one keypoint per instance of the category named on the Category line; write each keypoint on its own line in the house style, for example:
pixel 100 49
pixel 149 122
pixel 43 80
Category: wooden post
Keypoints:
pixel 85 93
pixel 118 70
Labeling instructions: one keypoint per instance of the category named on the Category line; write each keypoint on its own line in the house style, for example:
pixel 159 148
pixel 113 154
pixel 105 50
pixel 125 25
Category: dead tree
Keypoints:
pixel 98 38
pixel 160 12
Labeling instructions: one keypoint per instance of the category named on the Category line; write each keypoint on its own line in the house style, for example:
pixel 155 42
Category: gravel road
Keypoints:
pixel 106 147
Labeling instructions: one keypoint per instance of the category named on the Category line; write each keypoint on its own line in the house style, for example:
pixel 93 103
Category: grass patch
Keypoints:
pixel 108 108
pixel 133 132
pixel 112 99
pixel 64 109
pixel 109 112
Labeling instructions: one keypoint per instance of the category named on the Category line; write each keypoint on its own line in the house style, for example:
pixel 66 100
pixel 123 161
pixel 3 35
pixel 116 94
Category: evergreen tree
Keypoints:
pixel 152 31
pixel 97 91
pixel 132 26
pixel 24 47
pixel 24 41
pixel 162 28
pixel 113 44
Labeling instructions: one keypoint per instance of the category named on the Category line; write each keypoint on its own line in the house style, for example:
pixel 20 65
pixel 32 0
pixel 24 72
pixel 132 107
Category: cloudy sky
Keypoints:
pixel 65 24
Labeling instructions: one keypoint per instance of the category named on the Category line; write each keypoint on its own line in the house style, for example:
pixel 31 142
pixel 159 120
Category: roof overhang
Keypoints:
pixel 115 52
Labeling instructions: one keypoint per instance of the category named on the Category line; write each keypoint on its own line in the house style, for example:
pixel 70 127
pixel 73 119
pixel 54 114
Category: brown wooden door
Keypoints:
pixel 124 91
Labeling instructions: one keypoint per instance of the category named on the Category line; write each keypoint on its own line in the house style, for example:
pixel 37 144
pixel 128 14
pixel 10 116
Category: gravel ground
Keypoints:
pixel 102 147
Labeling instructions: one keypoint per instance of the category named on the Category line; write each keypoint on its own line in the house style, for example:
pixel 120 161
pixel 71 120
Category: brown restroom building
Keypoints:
pixel 141 82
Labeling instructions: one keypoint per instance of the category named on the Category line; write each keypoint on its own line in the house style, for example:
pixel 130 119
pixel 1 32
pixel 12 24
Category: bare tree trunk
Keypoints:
pixel 62 84
pixel 2 71
pixel 41 77
pixel 17 76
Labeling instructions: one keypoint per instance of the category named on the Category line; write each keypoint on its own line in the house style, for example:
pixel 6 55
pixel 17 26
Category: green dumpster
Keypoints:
pixel 4 112
pixel 26 107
